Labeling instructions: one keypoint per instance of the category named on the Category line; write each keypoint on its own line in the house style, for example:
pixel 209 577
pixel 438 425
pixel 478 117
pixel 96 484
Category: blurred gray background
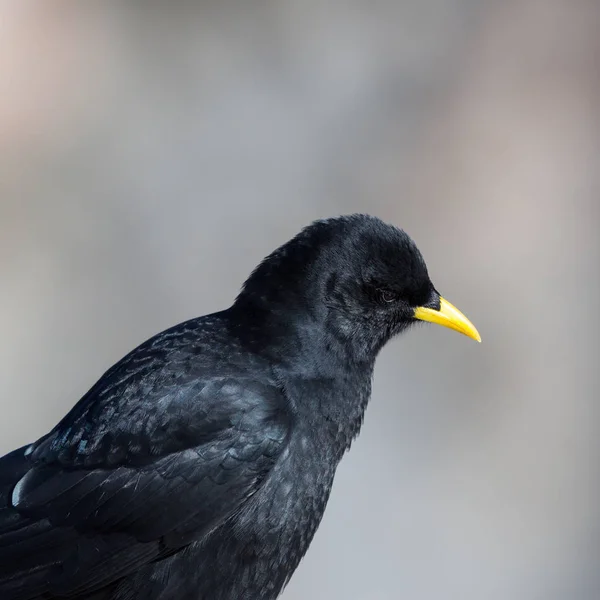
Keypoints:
pixel 152 153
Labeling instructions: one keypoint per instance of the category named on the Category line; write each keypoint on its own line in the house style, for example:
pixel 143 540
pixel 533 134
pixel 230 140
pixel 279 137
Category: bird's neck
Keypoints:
pixel 326 377
pixel 316 343
pixel 332 408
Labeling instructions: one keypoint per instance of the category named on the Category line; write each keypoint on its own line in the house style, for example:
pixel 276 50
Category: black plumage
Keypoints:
pixel 199 466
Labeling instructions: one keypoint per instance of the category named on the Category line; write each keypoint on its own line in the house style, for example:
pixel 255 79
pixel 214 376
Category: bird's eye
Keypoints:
pixel 387 295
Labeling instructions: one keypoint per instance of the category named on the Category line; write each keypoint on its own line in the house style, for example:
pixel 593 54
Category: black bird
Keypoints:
pixel 198 467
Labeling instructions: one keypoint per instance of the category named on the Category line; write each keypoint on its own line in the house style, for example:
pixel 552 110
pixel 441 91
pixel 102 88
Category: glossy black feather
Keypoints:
pixel 199 466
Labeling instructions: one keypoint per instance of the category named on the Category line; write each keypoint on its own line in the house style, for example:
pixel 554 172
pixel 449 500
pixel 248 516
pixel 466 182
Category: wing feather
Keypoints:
pixel 147 462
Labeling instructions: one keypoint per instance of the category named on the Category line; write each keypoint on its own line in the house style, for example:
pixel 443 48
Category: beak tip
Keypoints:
pixel 471 332
pixel 474 334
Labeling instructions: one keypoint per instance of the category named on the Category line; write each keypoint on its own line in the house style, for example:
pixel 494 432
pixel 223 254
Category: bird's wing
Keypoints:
pixel 141 467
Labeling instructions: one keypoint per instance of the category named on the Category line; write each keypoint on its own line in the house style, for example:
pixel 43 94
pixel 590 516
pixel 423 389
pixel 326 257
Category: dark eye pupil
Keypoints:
pixel 387 295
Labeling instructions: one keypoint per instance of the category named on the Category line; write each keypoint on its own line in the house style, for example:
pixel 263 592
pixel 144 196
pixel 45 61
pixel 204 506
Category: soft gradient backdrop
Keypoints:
pixel 152 153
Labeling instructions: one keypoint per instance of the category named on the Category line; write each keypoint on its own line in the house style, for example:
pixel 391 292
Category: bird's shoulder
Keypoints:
pixel 180 389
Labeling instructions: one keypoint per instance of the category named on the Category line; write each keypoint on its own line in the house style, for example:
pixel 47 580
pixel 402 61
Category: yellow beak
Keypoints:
pixel 448 316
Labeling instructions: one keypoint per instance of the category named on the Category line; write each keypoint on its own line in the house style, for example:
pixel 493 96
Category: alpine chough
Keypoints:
pixel 198 467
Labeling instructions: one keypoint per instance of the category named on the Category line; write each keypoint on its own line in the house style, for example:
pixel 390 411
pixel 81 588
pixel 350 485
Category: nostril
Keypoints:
pixel 434 300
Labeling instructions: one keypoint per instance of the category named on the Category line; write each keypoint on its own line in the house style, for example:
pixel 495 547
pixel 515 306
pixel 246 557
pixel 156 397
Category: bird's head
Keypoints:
pixel 358 277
